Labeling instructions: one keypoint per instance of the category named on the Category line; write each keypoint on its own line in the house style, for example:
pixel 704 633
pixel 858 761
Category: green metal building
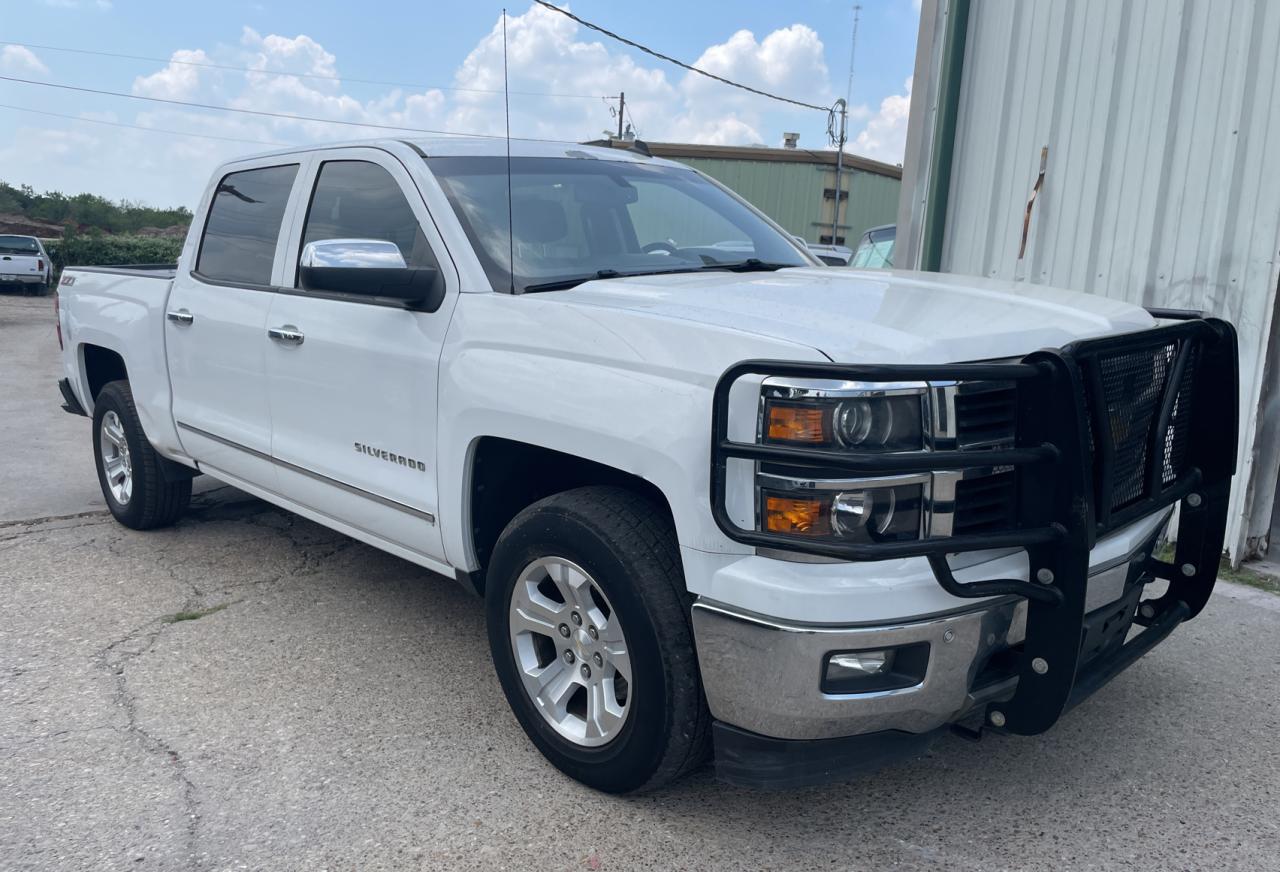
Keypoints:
pixel 796 186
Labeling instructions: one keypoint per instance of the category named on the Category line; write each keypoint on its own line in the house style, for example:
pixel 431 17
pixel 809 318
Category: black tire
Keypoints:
pixel 628 547
pixel 155 501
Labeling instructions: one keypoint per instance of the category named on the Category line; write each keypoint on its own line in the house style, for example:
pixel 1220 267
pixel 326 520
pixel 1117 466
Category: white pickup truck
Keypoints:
pixel 718 499
pixel 24 264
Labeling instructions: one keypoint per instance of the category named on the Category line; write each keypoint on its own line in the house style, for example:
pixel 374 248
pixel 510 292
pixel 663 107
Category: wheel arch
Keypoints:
pixel 504 476
pixel 100 365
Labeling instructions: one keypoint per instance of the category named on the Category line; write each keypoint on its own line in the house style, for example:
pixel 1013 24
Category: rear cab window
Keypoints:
pixel 238 244
pixel 19 245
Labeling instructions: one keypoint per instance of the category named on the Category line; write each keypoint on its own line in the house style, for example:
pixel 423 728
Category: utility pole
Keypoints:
pixel 622 105
pixel 843 106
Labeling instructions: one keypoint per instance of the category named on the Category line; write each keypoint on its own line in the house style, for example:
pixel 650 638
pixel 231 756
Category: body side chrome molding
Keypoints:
pixel 302 470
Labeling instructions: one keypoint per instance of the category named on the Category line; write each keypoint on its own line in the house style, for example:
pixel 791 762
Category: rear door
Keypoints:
pixel 353 388
pixel 216 324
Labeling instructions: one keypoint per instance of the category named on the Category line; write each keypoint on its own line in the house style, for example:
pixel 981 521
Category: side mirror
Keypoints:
pixel 370 268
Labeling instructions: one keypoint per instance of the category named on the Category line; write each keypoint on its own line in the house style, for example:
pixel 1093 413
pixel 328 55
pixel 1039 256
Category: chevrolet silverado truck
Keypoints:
pixel 719 500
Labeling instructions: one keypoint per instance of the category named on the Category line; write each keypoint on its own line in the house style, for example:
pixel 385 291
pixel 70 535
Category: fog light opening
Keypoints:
pixel 875 669
pixel 858 663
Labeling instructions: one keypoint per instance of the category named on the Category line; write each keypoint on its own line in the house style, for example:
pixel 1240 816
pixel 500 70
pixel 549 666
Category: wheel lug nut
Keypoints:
pixel 598 659
pixel 593 633
pixel 568 656
pixel 586 671
pixel 564 630
pixel 576 618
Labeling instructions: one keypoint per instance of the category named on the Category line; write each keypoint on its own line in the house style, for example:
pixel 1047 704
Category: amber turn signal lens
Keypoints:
pixel 796 424
pixel 802 517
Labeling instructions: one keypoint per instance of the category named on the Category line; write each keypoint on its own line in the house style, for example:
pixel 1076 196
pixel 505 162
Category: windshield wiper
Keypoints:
pixel 751 264
pixel 566 284
pixel 573 282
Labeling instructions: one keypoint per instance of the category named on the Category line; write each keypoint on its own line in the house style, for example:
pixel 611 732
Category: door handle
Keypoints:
pixel 181 316
pixel 287 333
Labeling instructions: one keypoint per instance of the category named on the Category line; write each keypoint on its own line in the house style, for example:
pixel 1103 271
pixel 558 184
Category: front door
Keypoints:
pixel 215 326
pixel 352 378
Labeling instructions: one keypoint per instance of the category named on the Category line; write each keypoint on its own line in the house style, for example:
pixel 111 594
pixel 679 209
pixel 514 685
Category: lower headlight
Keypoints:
pixel 848 511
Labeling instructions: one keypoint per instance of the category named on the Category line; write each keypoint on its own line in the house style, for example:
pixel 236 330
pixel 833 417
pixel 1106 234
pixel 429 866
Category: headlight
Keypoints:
pixel 860 511
pixel 864 422
pixel 806 499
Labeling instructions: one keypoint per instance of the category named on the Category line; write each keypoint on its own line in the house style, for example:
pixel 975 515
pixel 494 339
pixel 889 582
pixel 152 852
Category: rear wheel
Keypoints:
pixel 589 627
pixel 129 470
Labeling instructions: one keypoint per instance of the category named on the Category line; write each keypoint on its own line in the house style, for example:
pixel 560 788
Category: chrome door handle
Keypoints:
pixel 287 333
pixel 180 316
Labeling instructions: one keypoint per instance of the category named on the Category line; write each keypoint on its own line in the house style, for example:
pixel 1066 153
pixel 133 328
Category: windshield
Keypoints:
pixel 578 219
pixel 18 245
pixel 876 248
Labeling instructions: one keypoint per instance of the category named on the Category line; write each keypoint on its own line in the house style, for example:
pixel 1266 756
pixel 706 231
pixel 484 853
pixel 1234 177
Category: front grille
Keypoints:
pixel 1133 385
pixel 986 503
pixel 986 416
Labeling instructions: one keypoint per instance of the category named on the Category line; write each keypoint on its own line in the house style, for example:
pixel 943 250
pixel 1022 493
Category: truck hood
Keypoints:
pixel 873 316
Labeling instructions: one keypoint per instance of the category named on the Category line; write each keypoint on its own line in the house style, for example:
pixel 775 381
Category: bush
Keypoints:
pixel 88 211
pixel 95 250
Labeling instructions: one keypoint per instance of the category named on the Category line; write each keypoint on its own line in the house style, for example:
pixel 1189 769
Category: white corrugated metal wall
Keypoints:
pixel 1162 120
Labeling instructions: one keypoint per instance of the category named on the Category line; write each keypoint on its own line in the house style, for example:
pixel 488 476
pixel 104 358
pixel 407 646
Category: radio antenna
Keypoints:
pixel 506 109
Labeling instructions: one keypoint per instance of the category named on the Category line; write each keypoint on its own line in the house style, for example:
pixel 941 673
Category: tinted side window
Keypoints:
pixel 239 243
pixel 356 199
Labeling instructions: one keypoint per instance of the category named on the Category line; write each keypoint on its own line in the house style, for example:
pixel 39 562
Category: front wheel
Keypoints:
pixel 129 470
pixel 589 627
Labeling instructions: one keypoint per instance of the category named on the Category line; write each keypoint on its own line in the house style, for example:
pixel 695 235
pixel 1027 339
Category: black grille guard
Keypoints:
pixel 1064 494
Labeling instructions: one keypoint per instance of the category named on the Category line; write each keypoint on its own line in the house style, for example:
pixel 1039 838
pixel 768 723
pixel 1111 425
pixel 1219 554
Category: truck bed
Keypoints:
pixel 121 310
pixel 142 270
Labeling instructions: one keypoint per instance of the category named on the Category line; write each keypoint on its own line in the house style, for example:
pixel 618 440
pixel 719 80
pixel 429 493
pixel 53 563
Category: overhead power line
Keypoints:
pixel 678 63
pixel 321 76
pixel 261 113
pixel 141 127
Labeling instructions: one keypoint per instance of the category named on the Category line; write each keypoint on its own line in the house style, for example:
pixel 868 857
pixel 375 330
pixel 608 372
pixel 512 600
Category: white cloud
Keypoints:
pixel 18 59
pixel 550 53
pixel 178 81
pixel 787 62
pixel 885 136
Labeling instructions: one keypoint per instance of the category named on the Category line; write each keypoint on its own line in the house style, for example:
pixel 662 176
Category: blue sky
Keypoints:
pixel 798 49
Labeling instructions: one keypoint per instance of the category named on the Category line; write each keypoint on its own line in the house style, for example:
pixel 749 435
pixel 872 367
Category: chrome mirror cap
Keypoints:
pixel 352 254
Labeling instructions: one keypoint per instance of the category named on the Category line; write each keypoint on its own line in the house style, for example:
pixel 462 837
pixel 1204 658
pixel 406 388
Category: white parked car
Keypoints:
pixel 718 499
pixel 24 264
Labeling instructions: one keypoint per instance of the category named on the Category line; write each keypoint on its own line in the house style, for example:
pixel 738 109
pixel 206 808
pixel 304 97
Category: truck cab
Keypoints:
pixel 718 499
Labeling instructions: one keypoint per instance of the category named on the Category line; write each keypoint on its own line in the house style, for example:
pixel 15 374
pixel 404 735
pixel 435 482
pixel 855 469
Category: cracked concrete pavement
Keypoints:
pixel 340 712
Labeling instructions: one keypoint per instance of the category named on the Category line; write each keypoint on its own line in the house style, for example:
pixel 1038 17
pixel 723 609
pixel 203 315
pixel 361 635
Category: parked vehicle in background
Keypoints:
pixel 24 264
pixel 831 255
pixel 713 494
pixel 875 248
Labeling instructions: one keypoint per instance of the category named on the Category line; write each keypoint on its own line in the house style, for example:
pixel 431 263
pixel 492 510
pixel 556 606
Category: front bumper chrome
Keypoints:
pixel 764 676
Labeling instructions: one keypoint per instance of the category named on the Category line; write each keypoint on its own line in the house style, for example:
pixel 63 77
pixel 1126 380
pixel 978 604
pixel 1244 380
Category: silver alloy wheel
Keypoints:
pixel 116 462
pixel 571 651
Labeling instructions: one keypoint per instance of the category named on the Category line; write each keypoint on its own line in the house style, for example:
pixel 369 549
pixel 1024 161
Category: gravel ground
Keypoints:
pixel 327 706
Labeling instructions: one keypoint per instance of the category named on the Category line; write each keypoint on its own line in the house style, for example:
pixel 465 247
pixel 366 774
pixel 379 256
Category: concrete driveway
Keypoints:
pixel 248 690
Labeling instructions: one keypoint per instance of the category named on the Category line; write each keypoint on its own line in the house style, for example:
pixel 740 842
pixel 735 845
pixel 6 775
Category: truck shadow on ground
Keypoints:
pixel 376 631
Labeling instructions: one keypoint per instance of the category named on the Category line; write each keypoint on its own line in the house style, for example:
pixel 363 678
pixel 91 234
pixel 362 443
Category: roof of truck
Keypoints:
pixel 480 146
